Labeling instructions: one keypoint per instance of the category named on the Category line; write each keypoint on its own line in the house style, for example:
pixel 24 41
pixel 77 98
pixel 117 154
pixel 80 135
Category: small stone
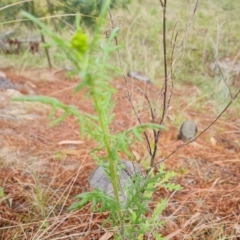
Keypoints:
pixel 139 76
pixel 6 83
pixel 187 131
pixel 100 180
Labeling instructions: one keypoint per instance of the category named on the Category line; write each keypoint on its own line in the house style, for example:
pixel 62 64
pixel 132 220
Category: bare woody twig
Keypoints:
pixel 224 80
pixel 47 52
pixel 165 91
pixel 128 93
pixel 166 99
pixel 173 44
pixel 164 7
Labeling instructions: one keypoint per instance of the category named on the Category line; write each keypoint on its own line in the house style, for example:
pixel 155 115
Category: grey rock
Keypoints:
pixel 139 76
pixel 188 130
pixel 6 83
pixel 100 180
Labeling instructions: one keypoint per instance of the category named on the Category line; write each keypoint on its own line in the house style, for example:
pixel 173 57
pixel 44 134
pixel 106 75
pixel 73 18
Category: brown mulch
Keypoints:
pixel 41 182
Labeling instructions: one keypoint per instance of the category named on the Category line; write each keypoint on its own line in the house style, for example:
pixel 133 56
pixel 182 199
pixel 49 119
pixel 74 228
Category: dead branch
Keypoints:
pixel 210 125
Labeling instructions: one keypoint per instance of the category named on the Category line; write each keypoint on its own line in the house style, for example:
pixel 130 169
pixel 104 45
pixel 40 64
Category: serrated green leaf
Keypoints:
pixel 59 119
pixel 93 204
pixel 78 205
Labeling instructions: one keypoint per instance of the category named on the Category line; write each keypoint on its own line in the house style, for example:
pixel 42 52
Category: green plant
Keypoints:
pixel 139 194
pixel 2 195
pixel 39 200
pixel 11 9
pixel 93 73
pixel 3 198
pixel 90 10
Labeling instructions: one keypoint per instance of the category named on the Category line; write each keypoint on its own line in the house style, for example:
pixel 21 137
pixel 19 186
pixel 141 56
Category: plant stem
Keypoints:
pixel 165 92
pixel 112 169
pixel 165 63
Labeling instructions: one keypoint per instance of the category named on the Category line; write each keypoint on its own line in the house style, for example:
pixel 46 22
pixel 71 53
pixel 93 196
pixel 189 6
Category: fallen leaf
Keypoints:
pixel 70 142
pixel 106 236
pixel 213 141
pixel 136 155
pixel 196 145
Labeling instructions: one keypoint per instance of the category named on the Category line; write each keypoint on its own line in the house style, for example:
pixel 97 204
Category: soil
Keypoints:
pixel 43 168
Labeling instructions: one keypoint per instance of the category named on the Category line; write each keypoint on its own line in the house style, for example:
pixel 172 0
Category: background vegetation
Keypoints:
pixel 212 35
pixel 205 42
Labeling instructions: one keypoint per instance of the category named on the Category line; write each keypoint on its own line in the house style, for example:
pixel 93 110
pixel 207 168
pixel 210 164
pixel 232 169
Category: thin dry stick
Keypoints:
pixel 47 52
pixel 171 72
pixel 157 133
pixel 173 44
pixel 183 42
pixel 165 64
pixel 72 29
pixel 215 120
pixel 14 4
pixel 172 86
pixel 152 112
pixel 192 220
pixel 189 25
pixel 161 3
pixel 166 102
pixel 139 120
pixel 224 80
pixel 126 81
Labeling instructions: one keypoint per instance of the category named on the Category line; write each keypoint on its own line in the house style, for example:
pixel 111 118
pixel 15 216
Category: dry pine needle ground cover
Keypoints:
pixel 40 174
